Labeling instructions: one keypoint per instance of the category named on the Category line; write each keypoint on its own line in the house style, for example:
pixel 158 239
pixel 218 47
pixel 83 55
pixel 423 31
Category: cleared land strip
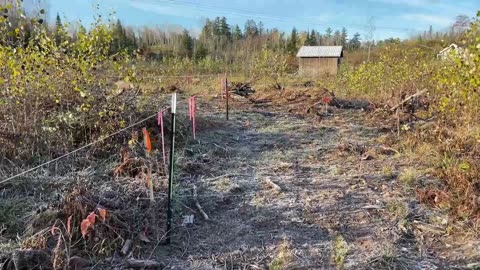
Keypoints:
pixel 281 191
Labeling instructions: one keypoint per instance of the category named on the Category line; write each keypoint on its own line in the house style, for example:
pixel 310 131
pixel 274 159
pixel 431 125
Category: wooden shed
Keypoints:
pixel 316 61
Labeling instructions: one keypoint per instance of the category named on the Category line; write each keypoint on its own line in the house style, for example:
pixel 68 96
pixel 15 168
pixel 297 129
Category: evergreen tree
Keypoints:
pixel 237 33
pixel 313 38
pixel 261 28
pixel 355 43
pixel 186 44
pixel 217 27
pixel 307 40
pixel 201 52
pixel 292 42
pixel 58 22
pixel 224 29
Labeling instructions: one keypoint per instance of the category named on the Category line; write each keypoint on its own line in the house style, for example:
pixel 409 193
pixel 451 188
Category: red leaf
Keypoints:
pixel 69 225
pixel 91 218
pixel 148 142
pixel 84 226
pixel 103 213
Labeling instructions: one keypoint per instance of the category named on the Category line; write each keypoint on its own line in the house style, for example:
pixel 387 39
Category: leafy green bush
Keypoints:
pixel 458 84
pixel 53 95
pixel 400 70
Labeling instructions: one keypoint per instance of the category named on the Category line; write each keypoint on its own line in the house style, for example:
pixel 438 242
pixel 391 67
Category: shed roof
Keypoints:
pixel 320 51
pixel 452 46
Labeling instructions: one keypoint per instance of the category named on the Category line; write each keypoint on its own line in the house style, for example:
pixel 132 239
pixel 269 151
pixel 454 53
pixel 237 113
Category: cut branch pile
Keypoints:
pixel 407 101
pixel 242 89
pixel 321 103
pixel 355 104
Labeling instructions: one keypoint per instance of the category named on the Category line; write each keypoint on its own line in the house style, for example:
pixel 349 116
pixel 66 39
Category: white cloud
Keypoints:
pixel 427 18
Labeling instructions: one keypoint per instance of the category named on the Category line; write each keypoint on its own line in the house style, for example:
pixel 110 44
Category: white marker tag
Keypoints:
pixel 174 103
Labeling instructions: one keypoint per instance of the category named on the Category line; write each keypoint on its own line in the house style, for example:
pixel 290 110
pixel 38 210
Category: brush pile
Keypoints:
pixel 242 89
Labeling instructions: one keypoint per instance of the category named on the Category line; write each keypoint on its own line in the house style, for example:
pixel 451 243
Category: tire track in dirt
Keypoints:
pixel 333 209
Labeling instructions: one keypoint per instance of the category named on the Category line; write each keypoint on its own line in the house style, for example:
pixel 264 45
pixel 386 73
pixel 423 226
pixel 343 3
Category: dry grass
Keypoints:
pixel 340 251
pixel 389 172
pixel 398 208
pixel 409 176
pixel 284 259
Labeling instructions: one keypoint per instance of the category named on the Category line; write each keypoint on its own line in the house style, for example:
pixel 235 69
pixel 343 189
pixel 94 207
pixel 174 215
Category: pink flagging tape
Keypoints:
pixel 193 118
pixel 160 123
pixel 190 108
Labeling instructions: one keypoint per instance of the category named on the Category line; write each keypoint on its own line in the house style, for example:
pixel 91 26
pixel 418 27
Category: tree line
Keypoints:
pixel 219 39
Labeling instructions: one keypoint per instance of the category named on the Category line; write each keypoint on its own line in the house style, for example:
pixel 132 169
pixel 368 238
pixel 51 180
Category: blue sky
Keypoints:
pixel 392 18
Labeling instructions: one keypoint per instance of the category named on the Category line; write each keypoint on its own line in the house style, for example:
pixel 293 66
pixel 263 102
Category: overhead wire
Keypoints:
pixel 249 14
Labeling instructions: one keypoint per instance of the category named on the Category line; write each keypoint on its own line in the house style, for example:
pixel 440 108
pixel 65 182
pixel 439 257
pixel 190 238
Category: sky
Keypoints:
pixel 382 18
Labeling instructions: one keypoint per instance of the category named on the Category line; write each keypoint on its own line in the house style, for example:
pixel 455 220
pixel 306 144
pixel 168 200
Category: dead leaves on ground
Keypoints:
pixel 90 220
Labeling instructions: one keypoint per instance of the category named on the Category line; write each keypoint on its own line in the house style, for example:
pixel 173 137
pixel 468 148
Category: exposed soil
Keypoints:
pixel 281 191
pixel 336 200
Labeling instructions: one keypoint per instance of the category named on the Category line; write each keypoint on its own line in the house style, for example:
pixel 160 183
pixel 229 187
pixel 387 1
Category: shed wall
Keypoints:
pixel 314 67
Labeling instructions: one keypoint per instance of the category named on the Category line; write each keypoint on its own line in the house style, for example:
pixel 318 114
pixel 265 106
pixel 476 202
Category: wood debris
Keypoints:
pixel 242 89
pixel 197 204
pixel 135 263
pixel 126 247
pixel 272 185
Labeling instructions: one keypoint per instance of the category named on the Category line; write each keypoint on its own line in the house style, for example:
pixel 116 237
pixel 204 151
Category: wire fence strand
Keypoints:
pixel 78 149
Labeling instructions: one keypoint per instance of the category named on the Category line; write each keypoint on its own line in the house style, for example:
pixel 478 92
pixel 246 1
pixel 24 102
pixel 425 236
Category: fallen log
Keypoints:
pixel 197 204
pixel 134 263
pixel 356 104
pixel 407 99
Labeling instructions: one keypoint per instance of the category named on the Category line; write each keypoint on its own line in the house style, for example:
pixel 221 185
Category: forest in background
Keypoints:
pixel 218 39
